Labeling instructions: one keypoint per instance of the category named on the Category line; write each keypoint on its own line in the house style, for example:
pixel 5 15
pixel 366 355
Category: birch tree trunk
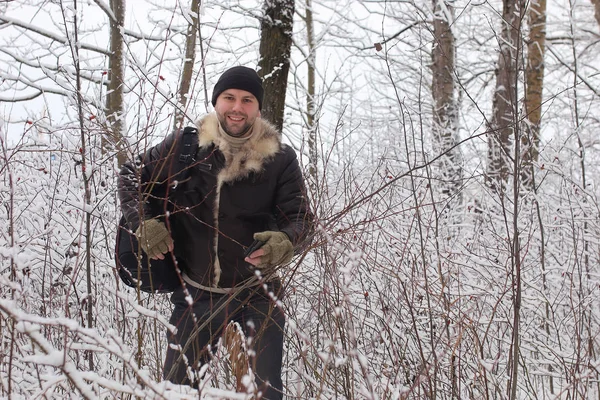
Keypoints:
pixel 275 48
pixel 534 75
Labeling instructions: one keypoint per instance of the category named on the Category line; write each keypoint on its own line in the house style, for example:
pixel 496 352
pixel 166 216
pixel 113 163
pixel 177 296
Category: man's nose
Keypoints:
pixel 237 105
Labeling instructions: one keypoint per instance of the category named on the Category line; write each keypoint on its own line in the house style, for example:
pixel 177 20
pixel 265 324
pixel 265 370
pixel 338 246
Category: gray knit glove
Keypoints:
pixel 154 237
pixel 278 249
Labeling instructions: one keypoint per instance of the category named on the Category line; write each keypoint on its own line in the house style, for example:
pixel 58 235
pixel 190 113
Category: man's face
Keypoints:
pixel 237 110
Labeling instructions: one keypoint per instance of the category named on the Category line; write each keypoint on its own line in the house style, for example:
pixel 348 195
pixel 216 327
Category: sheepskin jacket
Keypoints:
pixel 227 197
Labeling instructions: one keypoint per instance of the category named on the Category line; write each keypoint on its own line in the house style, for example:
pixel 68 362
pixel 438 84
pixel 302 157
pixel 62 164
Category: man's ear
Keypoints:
pixel 259 116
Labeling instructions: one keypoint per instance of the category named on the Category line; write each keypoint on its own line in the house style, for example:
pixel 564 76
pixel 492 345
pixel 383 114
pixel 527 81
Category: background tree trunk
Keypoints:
pixel 188 65
pixel 310 98
pixel 596 4
pixel 275 47
pixel 116 75
pixel 445 127
pixel 444 103
pixel 505 102
pixel 534 76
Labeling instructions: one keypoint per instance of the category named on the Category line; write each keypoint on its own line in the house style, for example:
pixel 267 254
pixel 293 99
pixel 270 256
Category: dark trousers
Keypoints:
pixel 256 313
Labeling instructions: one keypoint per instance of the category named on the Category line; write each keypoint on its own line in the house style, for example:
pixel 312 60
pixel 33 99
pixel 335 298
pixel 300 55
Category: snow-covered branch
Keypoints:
pixel 49 35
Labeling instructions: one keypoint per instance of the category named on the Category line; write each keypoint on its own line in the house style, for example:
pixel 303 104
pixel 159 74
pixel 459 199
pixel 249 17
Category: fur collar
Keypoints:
pixel 260 148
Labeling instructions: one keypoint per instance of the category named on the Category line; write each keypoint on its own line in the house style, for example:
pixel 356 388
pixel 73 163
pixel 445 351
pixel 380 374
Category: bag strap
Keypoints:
pixel 187 151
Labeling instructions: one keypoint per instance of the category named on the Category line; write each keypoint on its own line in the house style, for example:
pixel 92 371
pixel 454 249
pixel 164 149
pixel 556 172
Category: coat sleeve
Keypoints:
pixel 143 184
pixel 294 216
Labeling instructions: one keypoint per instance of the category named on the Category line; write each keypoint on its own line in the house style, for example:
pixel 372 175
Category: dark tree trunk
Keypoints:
pixel 275 48
pixel 444 112
pixel 505 104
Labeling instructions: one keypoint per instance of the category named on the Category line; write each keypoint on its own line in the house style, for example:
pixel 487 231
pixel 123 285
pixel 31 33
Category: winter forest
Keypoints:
pixel 451 159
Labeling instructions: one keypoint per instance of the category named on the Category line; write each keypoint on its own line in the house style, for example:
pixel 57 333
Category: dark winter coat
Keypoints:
pixel 228 196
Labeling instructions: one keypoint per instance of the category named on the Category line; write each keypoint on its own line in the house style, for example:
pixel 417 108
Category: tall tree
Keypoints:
pixel 503 129
pixel 116 77
pixel 503 125
pixel 444 112
pixel 534 75
pixel 188 64
pixel 444 121
pixel 534 84
pixel 310 95
pixel 275 48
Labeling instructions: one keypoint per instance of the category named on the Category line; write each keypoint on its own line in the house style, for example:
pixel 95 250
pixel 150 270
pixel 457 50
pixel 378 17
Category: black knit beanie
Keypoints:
pixel 242 78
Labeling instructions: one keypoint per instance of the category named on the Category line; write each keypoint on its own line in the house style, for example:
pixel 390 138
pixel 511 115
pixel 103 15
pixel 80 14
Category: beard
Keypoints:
pixel 232 129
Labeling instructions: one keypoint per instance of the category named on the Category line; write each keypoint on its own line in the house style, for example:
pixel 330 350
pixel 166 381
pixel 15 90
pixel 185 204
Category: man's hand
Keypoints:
pixel 277 250
pixel 154 238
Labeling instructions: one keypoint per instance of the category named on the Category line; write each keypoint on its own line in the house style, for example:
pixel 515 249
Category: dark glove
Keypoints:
pixel 154 237
pixel 278 249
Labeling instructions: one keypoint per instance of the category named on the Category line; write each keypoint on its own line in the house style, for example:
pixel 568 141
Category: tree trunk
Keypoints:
pixel 505 103
pixel 445 131
pixel 310 98
pixel 596 4
pixel 275 48
pixel 534 76
pixel 188 66
pixel 116 75
pixel 444 112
